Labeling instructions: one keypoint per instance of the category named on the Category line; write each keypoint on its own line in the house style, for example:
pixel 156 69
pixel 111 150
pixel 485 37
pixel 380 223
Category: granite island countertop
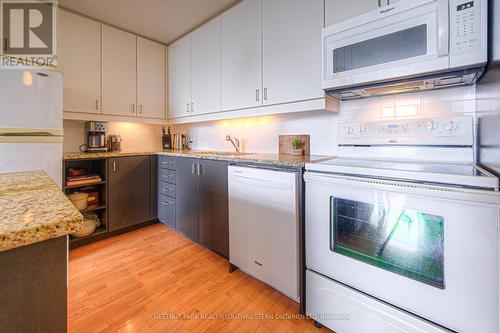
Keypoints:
pixel 274 159
pixel 34 209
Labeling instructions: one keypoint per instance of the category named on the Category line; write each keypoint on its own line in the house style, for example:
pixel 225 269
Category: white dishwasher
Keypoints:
pixel 263 226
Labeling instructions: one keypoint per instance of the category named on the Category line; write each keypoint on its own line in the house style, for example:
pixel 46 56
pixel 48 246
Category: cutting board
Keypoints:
pixel 285 143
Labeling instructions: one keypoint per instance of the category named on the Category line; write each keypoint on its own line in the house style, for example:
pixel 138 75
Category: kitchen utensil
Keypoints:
pixel 180 141
pixel 79 200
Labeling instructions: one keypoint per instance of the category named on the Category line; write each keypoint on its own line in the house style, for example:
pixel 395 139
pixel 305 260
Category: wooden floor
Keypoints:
pixel 155 280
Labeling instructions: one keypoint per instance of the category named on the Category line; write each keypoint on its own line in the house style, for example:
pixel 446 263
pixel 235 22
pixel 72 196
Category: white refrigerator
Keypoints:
pixel 31 124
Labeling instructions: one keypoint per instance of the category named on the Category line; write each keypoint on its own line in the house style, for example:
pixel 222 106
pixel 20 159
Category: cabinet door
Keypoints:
pixel 186 197
pixel 119 68
pixel 129 188
pixel 150 79
pixel 291 51
pixel 241 56
pixel 80 62
pixel 205 43
pixel 338 11
pixel 213 208
pixel 179 78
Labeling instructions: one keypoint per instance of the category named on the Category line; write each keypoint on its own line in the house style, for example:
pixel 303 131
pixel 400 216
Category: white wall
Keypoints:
pixel 136 136
pixel 260 134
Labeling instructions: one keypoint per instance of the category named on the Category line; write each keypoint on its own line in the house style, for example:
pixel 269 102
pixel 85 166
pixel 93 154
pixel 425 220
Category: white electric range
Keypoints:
pixel 408 239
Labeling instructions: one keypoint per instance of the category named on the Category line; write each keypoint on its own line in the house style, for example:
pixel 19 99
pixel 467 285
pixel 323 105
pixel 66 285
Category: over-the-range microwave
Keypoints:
pixel 407 46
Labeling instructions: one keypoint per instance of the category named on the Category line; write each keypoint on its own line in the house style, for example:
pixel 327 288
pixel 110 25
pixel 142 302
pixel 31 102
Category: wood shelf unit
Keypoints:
pixel 84 185
pixel 93 166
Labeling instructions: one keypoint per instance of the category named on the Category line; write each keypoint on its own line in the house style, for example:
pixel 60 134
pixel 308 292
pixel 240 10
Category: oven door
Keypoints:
pixel 430 251
pixel 397 41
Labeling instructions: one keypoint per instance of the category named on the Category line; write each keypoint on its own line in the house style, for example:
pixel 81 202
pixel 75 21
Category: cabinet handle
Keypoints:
pixel 187 107
pixel 192 107
pixel 193 169
pixel 265 94
pixel 96 104
pixel 198 169
pixel 114 166
pixel 140 108
pixel 133 108
pixel 257 95
pixel 167 203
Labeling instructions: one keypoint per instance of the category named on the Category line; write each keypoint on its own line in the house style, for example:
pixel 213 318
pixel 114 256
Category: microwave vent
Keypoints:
pixel 435 81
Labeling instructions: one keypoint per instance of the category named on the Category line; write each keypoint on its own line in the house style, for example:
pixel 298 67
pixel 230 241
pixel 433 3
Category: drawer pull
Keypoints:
pixel 258 263
pixel 167 203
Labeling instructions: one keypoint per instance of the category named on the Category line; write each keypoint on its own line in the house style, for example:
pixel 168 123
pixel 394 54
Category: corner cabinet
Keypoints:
pixel 129 191
pixel 110 74
pixel 151 85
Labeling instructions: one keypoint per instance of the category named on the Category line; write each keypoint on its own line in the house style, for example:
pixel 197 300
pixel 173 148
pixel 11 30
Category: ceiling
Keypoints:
pixel 160 20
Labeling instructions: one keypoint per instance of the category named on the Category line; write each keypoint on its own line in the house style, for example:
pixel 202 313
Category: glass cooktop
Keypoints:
pixel 447 173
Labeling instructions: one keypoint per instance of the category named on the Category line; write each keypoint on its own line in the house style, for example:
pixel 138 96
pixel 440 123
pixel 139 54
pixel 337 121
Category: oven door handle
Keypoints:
pixel 443 28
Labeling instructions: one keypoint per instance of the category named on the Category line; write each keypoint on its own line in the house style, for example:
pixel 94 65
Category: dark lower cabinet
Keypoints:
pixel 213 206
pixel 130 191
pixel 186 197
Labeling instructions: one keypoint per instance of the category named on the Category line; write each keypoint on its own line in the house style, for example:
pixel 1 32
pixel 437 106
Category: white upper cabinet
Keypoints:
pixel 291 50
pixel 119 68
pixel 179 78
pixel 241 56
pixel 80 62
pixel 150 79
pixel 337 11
pixel 205 66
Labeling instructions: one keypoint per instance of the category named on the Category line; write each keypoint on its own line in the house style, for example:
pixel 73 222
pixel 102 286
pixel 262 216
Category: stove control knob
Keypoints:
pixel 450 127
pixel 431 125
pixel 349 130
pixel 362 128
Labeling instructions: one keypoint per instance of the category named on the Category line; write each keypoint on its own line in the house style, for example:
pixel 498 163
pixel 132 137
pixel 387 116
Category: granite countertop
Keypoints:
pixel 258 158
pixel 33 209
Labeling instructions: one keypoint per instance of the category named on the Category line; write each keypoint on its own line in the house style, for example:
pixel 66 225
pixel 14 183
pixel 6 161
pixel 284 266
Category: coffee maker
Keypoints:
pixel 95 134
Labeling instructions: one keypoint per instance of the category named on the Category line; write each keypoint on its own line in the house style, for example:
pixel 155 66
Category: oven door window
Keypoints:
pixel 403 241
pixel 405 44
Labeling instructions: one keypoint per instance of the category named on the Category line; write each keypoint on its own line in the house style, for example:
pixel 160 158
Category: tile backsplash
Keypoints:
pixel 260 134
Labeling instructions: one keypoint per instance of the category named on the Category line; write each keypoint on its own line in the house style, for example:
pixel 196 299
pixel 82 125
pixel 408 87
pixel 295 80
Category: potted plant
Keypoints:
pixel 297 147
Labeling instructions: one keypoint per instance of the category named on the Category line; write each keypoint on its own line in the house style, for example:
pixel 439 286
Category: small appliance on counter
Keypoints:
pixel 166 139
pixel 95 136
pixel 181 141
pixel 114 143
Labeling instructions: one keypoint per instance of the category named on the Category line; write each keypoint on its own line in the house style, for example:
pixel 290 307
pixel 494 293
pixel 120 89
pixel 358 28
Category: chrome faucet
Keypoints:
pixel 235 142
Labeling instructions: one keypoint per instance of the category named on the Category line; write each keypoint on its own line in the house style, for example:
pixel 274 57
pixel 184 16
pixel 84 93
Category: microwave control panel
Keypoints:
pixel 466 26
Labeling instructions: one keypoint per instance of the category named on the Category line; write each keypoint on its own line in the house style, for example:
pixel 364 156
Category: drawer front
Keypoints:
pixel 167 176
pixel 166 162
pixel 167 189
pixel 166 210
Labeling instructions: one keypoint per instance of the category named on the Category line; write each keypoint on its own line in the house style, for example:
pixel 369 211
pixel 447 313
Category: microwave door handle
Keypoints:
pixel 443 28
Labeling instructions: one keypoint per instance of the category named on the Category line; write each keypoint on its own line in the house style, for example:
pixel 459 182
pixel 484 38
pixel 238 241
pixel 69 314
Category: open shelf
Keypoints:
pixel 83 185
pixel 100 230
pixel 93 209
